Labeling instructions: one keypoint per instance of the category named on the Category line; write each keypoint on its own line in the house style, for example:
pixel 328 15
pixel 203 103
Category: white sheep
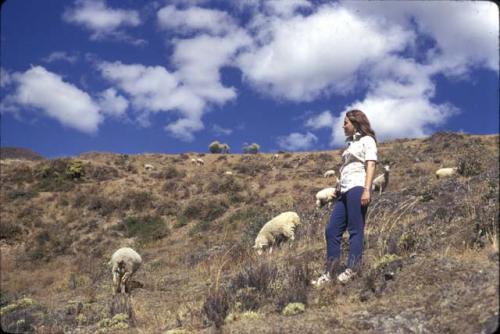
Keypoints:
pixel 124 262
pixel 329 173
pixel 197 161
pixel 381 182
pixel 148 167
pixel 325 196
pixel 281 226
pixel 228 172
pixel 445 172
pixel 224 148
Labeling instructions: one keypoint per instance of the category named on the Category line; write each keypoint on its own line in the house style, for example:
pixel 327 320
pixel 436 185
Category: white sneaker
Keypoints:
pixel 346 276
pixel 322 279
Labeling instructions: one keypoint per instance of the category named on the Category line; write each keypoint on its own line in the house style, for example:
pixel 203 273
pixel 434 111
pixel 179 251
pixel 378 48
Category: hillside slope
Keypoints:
pixel 431 258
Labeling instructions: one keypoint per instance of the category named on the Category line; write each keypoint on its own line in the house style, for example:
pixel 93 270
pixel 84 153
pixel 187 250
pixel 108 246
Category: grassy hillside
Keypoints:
pixel 431 258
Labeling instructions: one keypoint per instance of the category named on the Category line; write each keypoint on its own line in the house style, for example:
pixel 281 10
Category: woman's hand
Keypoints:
pixel 365 197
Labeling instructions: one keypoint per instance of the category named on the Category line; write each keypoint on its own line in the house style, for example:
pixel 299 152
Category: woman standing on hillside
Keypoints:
pixel 353 196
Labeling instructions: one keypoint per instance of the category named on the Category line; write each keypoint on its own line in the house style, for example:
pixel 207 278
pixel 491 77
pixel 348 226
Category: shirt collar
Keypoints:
pixel 355 137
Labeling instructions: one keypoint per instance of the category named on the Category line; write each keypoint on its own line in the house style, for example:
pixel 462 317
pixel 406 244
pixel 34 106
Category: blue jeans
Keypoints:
pixel 348 214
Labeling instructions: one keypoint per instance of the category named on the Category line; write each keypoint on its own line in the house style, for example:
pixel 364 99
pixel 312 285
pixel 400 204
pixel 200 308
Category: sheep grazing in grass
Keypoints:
pixel 329 173
pixel 382 181
pixel 125 262
pixel 197 161
pixel 281 227
pixel 148 167
pixel 446 172
pixel 325 196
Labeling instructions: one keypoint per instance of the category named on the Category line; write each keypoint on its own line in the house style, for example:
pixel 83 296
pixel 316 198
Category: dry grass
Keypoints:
pixel 430 260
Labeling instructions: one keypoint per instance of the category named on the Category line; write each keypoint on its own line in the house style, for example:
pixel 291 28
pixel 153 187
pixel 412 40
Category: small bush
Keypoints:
pixel 75 170
pixel 144 229
pixel 9 230
pixel 224 185
pixel 252 167
pixel 101 173
pixel 52 176
pixel 172 173
pixel 252 148
pixel 201 226
pixel 216 307
pixel 205 209
pixel 136 200
pixel 167 207
pixel 214 147
pixel 21 194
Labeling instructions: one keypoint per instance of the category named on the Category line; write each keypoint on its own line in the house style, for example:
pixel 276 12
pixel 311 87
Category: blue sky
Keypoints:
pixel 172 76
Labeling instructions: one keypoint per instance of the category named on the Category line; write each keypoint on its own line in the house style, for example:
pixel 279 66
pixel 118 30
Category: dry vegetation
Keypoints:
pixel 431 252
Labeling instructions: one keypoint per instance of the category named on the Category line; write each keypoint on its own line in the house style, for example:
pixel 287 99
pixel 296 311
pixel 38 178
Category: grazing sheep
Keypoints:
pixel 329 173
pixel 125 262
pixel 228 172
pixel 224 148
pixel 445 172
pixel 148 167
pixel 280 227
pixel 382 180
pixel 325 196
pixel 197 161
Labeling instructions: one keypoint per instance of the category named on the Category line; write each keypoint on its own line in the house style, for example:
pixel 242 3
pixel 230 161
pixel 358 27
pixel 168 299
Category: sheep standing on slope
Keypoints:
pixel 283 225
pixel 445 172
pixel 382 181
pixel 125 262
pixel 148 167
pixel 325 196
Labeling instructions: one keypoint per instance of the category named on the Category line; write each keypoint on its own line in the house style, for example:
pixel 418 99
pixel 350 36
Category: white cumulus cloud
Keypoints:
pixel 302 57
pixel 297 141
pixel 323 120
pixel 195 19
pixel 46 91
pixel 102 20
pixel 220 131
pixel 113 104
pixel 60 56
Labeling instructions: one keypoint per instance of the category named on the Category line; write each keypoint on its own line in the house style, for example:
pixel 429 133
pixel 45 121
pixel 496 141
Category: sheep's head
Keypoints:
pixel 260 244
pixel 387 168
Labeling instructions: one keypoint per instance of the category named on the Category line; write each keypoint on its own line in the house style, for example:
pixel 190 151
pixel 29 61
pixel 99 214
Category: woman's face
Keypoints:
pixel 348 127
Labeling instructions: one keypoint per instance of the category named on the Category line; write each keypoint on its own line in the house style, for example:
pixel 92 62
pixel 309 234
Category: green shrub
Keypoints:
pixel 52 176
pixel 205 209
pixel 171 173
pixel 136 200
pixel 214 147
pixel 145 229
pixel 75 170
pixel 252 148
pixel 9 230
pixel 201 226
pixel 224 184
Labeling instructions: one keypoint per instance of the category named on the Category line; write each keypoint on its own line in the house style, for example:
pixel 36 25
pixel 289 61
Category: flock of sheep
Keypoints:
pixel 126 261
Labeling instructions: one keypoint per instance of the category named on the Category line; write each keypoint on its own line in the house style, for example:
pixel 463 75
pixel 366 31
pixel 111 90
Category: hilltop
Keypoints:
pixel 19 153
pixel 431 261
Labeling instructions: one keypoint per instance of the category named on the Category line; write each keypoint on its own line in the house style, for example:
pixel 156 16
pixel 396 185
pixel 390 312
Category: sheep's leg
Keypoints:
pixel 125 280
pixel 270 249
pixel 116 282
